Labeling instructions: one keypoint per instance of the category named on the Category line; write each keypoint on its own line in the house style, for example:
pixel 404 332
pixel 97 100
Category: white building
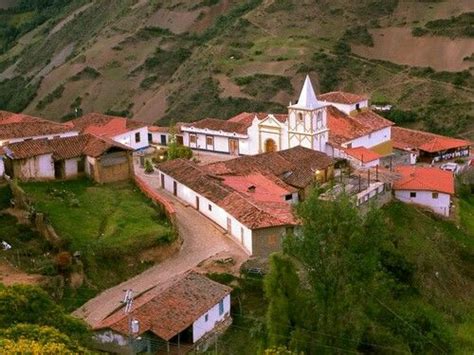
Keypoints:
pixel 331 123
pixel 184 310
pixel 133 134
pixel 102 159
pixel 426 186
pixel 16 127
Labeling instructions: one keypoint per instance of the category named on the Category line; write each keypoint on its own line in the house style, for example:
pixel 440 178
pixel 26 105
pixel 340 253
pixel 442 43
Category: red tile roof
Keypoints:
pixel 344 127
pixel 363 154
pixel 266 207
pixel 63 148
pixel 158 129
pixel 18 125
pixel 341 97
pixel 104 125
pixel 404 138
pixel 237 124
pixel 295 166
pixel 418 178
pixel 168 309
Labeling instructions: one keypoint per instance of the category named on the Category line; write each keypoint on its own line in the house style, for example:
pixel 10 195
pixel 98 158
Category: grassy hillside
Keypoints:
pixel 163 60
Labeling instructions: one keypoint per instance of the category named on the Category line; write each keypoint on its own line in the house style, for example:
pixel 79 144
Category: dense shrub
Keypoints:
pixel 359 35
pixel 17 93
pixel 48 99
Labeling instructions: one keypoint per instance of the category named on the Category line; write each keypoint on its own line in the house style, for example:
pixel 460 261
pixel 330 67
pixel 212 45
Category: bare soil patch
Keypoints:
pixel 398 45
pixel 229 88
pixel 175 21
pixel 10 275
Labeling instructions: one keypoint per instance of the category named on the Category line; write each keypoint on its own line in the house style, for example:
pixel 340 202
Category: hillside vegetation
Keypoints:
pixel 174 60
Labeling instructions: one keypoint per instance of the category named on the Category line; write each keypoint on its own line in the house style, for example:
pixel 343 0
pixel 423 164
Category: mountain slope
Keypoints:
pixel 172 60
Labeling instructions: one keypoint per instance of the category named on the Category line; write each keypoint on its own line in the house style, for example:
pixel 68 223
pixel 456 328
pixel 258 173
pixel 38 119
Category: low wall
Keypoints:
pixel 155 196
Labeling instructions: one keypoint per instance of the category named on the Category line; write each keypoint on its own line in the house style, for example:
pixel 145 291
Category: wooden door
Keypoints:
pixel 162 181
pixel 175 188
pixel 270 146
pixel 233 146
pixel 197 203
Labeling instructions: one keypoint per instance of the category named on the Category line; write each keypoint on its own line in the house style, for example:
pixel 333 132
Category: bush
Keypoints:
pixel 359 35
pixel 55 94
pixel 148 166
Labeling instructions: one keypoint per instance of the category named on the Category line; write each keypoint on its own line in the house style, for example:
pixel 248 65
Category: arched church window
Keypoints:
pixel 300 116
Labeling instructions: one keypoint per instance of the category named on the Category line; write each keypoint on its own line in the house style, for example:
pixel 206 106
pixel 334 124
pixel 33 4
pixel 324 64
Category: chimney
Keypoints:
pixel 251 188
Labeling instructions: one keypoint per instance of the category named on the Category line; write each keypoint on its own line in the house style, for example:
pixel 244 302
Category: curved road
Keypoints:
pixel 202 239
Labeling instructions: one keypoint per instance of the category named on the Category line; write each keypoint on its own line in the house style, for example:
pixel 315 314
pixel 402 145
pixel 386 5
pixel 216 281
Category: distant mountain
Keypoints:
pixel 185 60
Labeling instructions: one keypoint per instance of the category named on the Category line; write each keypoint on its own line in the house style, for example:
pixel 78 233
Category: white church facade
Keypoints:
pixel 331 124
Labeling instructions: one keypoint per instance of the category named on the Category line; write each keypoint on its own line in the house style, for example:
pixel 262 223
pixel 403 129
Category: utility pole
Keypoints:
pixel 128 302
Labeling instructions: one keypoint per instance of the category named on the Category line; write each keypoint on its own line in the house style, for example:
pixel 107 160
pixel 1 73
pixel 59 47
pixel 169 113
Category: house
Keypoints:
pixel 17 127
pixel 184 311
pixel 102 159
pixel 158 135
pixel 329 123
pixel 250 197
pixel 426 186
pixel 133 134
pixel 428 147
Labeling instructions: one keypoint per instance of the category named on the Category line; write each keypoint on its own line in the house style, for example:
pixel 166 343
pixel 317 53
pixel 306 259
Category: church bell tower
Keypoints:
pixel 307 120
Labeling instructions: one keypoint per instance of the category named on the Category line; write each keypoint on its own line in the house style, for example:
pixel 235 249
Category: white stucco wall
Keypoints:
pixel 348 108
pixel 220 140
pixel 240 233
pixel 128 138
pixel 425 198
pixel 70 167
pixel 201 326
pixel 2 167
pixel 39 167
pixel 156 137
pixel 372 139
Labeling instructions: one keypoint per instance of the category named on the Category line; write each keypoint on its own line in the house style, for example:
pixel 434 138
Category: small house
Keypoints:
pixel 103 160
pixel 426 186
pixel 176 315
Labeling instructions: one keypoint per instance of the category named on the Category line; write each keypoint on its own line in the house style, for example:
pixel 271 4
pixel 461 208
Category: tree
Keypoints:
pixel 175 150
pixel 148 166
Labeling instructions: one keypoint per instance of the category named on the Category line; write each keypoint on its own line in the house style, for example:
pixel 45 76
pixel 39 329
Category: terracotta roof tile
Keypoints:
pixel 63 148
pixel 17 125
pixel 425 179
pixel 344 127
pixel 169 309
pixel 404 138
pixel 363 154
pixel 104 125
pixel 158 129
pixel 341 97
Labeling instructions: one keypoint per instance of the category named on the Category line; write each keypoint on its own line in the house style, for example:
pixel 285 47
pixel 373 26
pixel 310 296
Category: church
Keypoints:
pixel 332 123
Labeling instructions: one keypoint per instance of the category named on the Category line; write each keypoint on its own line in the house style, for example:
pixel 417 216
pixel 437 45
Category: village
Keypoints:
pixel 233 197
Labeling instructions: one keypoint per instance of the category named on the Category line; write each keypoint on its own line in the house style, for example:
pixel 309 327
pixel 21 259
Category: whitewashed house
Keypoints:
pixel 329 123
pixel 250 197
pixel 102 159
pixel 426 186
pixel 185 310
pixel 158 135
pixel 15 127
pixel 133 134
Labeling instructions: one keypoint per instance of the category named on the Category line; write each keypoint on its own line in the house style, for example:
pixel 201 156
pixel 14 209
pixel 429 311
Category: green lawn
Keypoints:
pixel 110 225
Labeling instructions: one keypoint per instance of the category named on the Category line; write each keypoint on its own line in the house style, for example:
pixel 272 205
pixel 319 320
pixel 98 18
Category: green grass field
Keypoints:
pixel 110 225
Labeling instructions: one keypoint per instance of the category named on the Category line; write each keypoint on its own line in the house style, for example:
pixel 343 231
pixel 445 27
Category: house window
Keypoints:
pixel 349 146
pixel 272 240
pixel 209 207
pixel 137 137
pixel 150 137
pixel 192 138
pixel 206 317
pixel 319 120
pixel 434 195
pixel 209 140
pixel 412 194
pixel 163 139
pixel 221 307
pixel 288 197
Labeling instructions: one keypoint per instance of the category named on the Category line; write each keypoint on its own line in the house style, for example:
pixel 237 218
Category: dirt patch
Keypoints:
pixel 153 107
pixel 399 46
pixel 10 275
pixel 175 21
pixel 410 11
pixel 229 88
pixel 209 15
pixel 224 262
pixel 56 61
pixel 270 68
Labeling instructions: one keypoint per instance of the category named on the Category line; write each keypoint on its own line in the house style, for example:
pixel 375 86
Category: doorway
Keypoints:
pixel 175 188
pixel 59 169
pixel 233 146
pixel 197 203
pixel 270 146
